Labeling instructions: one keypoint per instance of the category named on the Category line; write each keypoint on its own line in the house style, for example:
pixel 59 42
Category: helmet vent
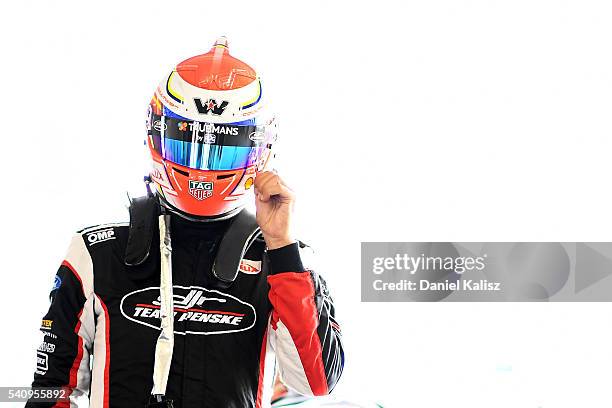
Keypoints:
pixel 184 173
pixel 224 176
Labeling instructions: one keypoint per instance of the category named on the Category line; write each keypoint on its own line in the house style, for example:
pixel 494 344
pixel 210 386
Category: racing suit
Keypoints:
pixel 103 323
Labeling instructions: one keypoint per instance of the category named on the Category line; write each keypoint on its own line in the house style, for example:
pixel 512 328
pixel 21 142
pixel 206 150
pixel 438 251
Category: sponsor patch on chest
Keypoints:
pixel 250 267
pixel 197 310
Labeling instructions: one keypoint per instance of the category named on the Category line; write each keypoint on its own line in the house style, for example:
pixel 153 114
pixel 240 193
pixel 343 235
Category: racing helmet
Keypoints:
pixel 207 135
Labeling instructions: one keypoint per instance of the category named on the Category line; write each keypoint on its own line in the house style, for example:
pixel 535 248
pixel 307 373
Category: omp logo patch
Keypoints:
pixel 250 267
pixel 197 310
pixel 100 236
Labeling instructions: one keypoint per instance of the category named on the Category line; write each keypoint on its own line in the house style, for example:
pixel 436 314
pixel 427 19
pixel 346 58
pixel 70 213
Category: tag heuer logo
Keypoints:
pixel 200 189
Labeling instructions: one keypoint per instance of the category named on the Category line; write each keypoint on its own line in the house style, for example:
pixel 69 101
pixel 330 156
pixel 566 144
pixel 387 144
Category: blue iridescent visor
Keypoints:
pixel 206 146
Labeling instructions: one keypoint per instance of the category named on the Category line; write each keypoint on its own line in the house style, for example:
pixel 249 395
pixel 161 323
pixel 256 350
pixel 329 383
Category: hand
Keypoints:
pixel 274 203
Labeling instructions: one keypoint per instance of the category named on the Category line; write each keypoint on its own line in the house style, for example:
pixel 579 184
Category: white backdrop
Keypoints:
pixel 442 120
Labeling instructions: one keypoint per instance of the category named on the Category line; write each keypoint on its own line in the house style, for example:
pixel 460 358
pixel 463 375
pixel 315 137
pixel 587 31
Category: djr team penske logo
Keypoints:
pixel 200 189
pixel 196 310
pixel 210 106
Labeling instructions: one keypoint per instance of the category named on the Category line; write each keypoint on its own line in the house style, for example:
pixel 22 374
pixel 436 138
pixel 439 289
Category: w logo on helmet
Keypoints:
pixel 210 105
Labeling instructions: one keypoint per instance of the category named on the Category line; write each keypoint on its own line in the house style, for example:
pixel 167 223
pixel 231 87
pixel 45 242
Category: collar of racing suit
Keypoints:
pixel 228 238
pixel 183 229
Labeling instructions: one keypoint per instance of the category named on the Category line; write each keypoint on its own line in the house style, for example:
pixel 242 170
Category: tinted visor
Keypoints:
pixel 206 146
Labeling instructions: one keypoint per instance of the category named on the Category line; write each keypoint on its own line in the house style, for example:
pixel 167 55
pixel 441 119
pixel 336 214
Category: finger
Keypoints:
pixel 263 177
pixel 276 190
pixel 267 182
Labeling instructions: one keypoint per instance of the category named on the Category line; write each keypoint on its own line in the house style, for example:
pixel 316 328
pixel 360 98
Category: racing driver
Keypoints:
pixel 195 302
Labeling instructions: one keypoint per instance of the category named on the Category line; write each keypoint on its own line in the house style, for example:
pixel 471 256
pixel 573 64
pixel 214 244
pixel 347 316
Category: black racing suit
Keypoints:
pixel 103 323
